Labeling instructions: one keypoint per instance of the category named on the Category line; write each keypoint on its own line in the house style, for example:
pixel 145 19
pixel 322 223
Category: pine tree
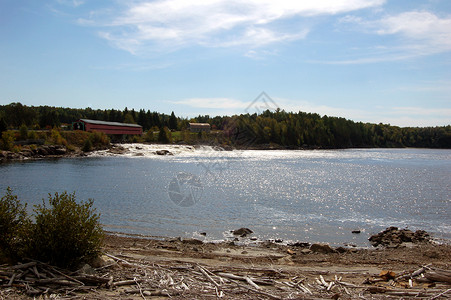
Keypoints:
pixel 172 121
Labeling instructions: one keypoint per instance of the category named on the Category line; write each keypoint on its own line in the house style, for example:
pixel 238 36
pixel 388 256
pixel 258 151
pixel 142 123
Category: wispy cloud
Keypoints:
pixel 416 33
pixel 172 24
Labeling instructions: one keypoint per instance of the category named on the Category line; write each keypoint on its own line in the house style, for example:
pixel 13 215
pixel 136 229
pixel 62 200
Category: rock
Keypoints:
pixel 341 250
pixel 102 261
pixel 86 270
pixel 299 244
pixel 163 152
pixel 286 260
pixel 26 153
pixel 356 231
pixel 43 150
pixel 60 150
pixel 306 251
pixel 322 248
pixel 203 233
pixel 278 240
pixel 192 241
pixel 118 150
pixel 242 232
pixel 393 237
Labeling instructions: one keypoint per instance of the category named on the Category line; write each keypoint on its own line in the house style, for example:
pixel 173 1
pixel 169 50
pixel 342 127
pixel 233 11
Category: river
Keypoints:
pixel 306 195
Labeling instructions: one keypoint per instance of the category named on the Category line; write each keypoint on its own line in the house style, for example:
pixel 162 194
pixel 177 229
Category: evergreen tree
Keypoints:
pixel 172 121
pixel 3 125
pixel 163 136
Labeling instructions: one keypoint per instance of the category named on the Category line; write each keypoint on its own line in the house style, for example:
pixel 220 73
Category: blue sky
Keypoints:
pixel 365 60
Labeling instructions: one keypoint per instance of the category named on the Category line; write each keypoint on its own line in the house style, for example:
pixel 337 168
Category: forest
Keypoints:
pixel 279 129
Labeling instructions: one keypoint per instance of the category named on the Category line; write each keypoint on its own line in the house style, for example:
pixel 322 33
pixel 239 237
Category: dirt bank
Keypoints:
pixel 143 268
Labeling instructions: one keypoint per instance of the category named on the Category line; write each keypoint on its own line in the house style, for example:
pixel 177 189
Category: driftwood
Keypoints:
pixel 440 275
pixel 189 280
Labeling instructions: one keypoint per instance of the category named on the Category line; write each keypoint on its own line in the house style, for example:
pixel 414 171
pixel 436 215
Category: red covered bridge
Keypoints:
pixel 107 127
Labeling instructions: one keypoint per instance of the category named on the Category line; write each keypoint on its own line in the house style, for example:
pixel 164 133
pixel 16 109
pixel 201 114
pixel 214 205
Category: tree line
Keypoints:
pixel 286 129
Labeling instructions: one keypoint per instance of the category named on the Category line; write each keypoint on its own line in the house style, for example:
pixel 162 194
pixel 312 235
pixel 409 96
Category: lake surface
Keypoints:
pixel 313 196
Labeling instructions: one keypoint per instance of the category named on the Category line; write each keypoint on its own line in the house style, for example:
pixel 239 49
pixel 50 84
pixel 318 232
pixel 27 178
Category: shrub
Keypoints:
pixel 7 141
pixel 99 139
pixel 23 132
pixel 148 137
pixel 56 138
pixel 66 233
pixel 87 146
pixel 13 226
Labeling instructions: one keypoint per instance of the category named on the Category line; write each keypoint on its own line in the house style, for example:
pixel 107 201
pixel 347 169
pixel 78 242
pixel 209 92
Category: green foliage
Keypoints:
pixel 7 141
pixel 99 140
pixel 149 137
pixel 87 146
pixel 13 226
pixel 32 135
pixel 56 138
pixel 172 122
pixel 65 233
pixel 283 128
pixel 23 132
pixel 3 125
pixel 129 118
pixel 164 136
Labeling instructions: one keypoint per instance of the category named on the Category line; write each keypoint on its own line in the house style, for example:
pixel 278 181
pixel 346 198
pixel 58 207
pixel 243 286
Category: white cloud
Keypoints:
pixel 166 24
pixel 427 33
pixel 418 33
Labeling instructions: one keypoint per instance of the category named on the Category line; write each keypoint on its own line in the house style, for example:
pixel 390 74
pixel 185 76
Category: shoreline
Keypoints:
pixel 42 152
pixel 133 268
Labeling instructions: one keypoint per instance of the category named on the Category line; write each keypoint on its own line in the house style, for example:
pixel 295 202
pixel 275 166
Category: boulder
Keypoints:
pixel 118 150
pixel 322 248
pixel 300 244
pixel 192 241
pixel 60 150
pixel 394 237
pixel 43 150
pixel 242 232
pixel 163 152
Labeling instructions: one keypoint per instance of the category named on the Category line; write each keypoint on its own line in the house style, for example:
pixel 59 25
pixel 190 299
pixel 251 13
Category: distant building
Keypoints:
pixel 113 128
pixel 199 127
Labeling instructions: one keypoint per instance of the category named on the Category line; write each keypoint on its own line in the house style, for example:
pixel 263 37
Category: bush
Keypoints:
pixel 7 141
pixel 56 138
pixel 66 233
pixel 23 132
pixel 87 146
pixel 13 226
pixel 99 139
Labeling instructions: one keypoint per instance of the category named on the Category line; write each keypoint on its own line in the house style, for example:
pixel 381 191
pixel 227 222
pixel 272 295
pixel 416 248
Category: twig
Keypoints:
pixel 441 294
pixel 256 291
pixel 209 277
pixel 248 280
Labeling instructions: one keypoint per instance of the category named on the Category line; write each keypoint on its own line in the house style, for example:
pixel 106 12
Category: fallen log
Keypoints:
pixel 438 276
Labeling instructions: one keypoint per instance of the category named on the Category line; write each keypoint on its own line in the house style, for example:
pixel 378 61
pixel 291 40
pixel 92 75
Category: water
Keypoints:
pixel 313 196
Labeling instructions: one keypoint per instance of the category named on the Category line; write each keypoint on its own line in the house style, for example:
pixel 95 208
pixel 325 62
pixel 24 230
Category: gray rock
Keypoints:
pixel 322 248
pixel 242 232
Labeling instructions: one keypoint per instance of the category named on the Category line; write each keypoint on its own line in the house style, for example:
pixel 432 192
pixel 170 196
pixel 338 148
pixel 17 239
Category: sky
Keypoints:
pixel 378 61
